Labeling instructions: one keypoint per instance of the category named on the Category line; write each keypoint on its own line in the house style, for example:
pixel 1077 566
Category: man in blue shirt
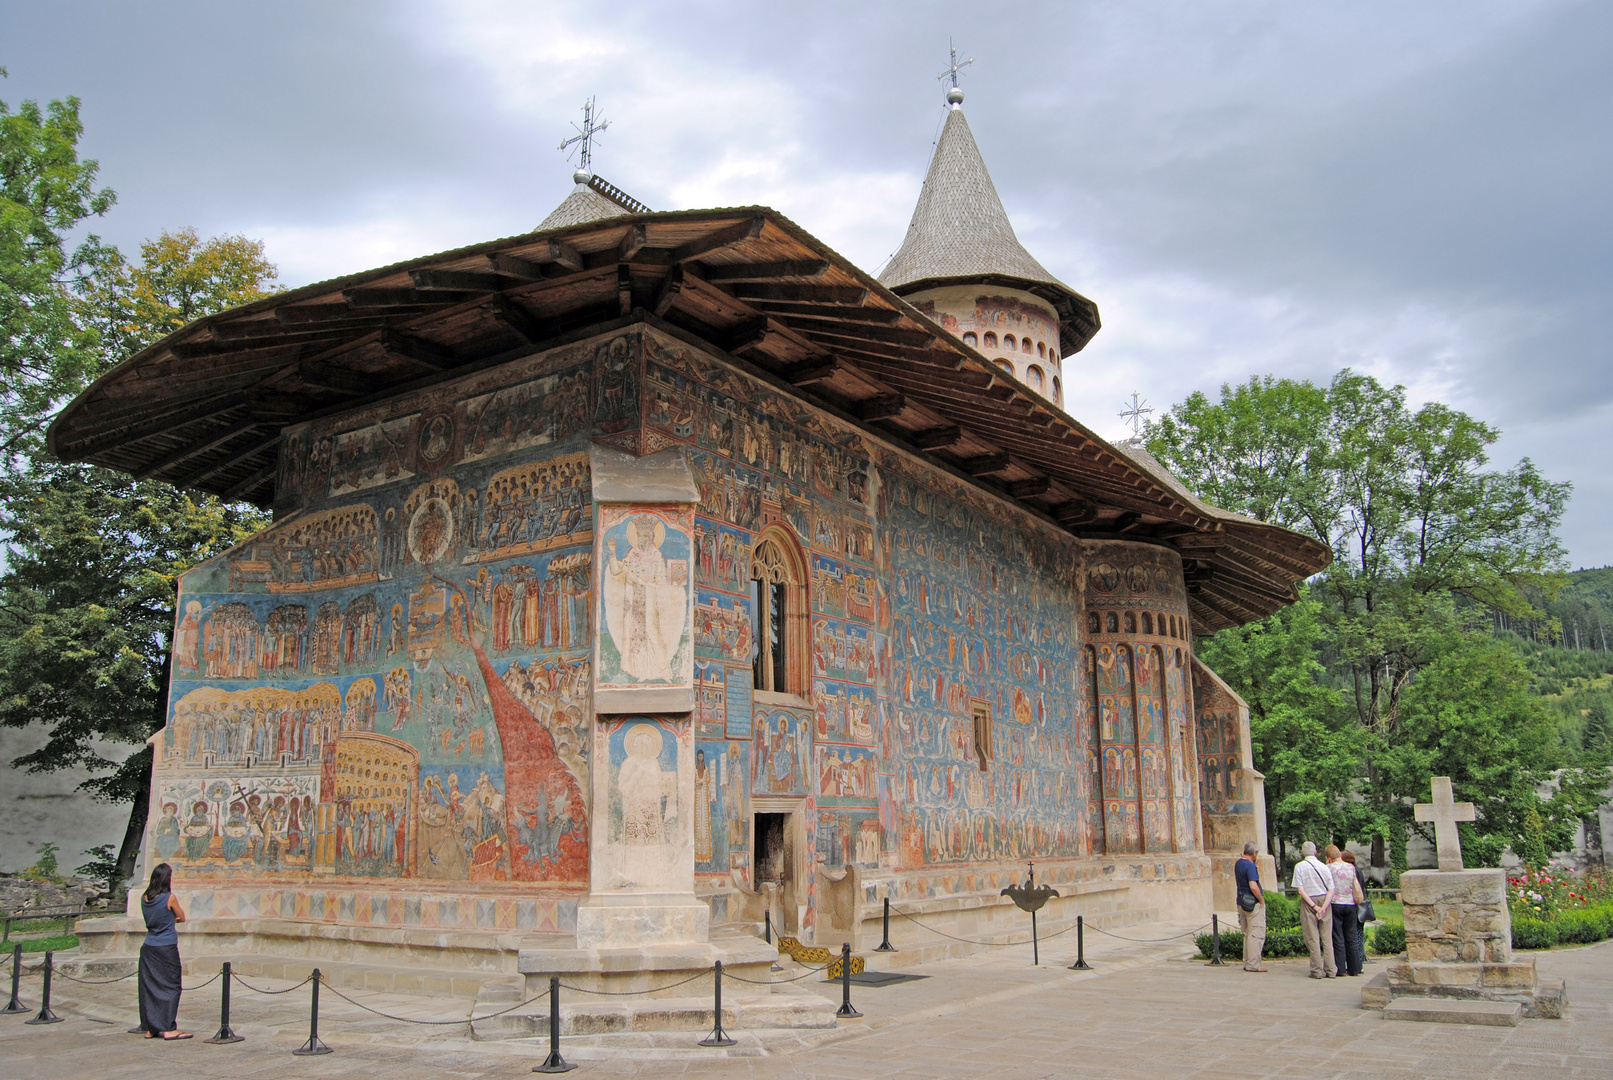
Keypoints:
pixel 1251 908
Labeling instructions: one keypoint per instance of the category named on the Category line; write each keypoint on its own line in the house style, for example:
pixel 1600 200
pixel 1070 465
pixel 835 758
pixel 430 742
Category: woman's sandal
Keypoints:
pixel 175 1036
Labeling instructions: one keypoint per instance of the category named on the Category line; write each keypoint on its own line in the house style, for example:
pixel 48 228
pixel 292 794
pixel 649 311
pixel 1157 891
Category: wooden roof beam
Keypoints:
pixel 1029 489
pixel 986 464
pixel 251 482
pixel 381 297
pixel 767 271
pixel 749 229
pixel 1075 512
pixel 414 347
pixel 881 407
pixel 155 424
pixel 790 293
pixel 456 281
pixel 163 464
pixel 245 454
pixel 814 372
pixel 941 438
pixel 881 316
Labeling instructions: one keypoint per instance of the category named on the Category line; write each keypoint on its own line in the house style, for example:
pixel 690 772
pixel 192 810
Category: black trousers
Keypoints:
pixel 1349 950
pixel 159 987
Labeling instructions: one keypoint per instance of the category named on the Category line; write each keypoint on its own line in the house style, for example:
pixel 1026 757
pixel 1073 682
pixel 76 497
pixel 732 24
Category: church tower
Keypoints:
pixel 962 265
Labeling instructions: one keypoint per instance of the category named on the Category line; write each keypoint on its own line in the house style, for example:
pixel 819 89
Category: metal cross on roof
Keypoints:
pixel 952 70
pixel 1445 812
pixel 592 125
pixel 1134 413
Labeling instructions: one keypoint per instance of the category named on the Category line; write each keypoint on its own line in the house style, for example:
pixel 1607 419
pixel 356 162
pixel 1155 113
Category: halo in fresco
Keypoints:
pixel 431 531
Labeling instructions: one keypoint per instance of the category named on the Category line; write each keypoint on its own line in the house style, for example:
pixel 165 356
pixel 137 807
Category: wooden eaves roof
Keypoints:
pixel 204 407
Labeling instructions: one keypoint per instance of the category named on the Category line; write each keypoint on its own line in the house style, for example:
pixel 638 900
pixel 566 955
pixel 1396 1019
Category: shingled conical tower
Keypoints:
pixel 962 265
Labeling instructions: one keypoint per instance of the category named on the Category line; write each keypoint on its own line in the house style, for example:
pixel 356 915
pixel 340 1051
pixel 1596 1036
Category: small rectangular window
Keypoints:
pixel 981 713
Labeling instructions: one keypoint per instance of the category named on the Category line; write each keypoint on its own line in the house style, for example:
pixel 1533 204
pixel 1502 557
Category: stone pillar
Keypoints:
pixel 1459 943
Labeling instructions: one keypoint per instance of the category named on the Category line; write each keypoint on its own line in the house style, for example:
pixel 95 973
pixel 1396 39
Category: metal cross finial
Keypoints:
pixel 1134 412
pixel 1445 812
pixel 954 94
pixel 592 125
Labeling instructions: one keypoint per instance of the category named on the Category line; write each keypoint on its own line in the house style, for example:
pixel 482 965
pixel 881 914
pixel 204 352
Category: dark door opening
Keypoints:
pixel 772 843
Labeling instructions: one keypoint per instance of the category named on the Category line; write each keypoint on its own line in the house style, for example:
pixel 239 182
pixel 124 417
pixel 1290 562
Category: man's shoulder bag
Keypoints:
pixel 1247 901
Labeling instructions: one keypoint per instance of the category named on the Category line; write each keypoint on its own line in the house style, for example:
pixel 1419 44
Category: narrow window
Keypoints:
pixel 1111 622
pixel 970 339
pixel 1131 622
pixel 1148 623
pixel 1025 346
pixel 981 712
pixel 1008 341
pixel 1035 377
pixel 778 606
pixel 1006 366
pixel 991 340
pixel 1094 623
pixel 1058 391
pixel 1041 349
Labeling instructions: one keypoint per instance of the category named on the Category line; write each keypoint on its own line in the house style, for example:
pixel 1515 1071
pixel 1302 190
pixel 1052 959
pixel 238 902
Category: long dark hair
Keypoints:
pixel 161 876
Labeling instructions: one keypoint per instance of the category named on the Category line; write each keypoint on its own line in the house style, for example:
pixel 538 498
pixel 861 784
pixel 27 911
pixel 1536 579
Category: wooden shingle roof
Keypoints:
pixel 204 407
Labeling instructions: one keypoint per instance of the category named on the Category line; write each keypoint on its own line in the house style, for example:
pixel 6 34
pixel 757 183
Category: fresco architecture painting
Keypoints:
pixel 648 572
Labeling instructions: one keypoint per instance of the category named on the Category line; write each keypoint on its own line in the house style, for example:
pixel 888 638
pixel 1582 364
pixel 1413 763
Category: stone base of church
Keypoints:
pixel 967 902
pixel 618 922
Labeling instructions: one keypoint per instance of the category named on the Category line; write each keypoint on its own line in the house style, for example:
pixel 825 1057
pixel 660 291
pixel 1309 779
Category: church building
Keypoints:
pixel 649 575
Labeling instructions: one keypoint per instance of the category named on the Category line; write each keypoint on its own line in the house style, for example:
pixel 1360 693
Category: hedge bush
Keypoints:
pixel 1279 943
pixel 1388 939
pixel 1282 913
pixel 1533 934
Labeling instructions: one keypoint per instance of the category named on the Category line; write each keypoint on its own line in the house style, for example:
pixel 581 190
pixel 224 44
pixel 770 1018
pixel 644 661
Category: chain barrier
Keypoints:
pixel 201 985
pixel 1154 940
pixel 772 982
pixel 287 990
pixel 428 1023
pixel 987 944
pixel 634 993
pixel 60 974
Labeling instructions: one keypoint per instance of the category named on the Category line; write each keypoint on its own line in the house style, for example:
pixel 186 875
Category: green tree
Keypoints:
pixel 1302 736
pixel 45 193
pixel 93 557
pixel 1422 530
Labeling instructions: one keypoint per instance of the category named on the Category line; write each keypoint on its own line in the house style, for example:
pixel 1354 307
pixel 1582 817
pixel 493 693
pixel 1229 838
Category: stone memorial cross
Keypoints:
pixel 1445 812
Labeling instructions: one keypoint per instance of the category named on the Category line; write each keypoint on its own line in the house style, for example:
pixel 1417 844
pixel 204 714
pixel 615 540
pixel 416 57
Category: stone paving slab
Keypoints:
pixel 1145 1011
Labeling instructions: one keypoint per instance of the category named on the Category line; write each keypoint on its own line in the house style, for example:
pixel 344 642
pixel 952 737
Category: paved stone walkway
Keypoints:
pixel 1145 1011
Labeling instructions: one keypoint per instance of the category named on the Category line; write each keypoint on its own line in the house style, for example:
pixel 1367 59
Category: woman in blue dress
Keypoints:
pixel 159 958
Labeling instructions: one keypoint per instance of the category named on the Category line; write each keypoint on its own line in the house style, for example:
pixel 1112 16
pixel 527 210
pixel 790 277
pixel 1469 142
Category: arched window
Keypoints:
pixel 969 339
pixel 1006 366
pixel 1111 622
pixel 1148 623
pixel 1041 349
pixel 1025 346
pixel 991 340
pixel 1035 378
pixel 1058 390
pixel 778 613
pixel 1094 623
pixel 1131 622
pixel 1008 341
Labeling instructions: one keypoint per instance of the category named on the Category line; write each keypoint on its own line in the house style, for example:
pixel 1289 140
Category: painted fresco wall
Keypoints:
pixel 922 603
pixel 1226 789
pixel 392 682
pixel 1135 696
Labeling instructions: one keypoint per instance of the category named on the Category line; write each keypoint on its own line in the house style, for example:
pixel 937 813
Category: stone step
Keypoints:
pixel 1375 994
pixel 787 1009
pixel 1452 1011
pixel 429 982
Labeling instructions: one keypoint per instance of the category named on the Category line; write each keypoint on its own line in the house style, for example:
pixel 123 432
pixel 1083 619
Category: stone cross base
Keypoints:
pixel 1459 945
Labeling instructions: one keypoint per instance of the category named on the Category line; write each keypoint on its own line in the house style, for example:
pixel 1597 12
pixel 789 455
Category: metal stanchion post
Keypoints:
pixel 845 1009
pixel 225 1035
pixel 1215 935
pixel 885 945
pixel 313 1045
pixel 1080 946
pixel 554 1063
pixel 15 1005
pixel 45 1015
pixel 718 1036
pixel 767 927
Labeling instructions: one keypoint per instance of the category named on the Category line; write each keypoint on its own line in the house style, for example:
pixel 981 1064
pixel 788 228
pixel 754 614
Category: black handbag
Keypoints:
pixel 1364 912
pixel 1247 901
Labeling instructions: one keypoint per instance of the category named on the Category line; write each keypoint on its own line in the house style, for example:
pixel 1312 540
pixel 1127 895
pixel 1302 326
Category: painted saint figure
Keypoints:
pixel 645 610
pixel 648 792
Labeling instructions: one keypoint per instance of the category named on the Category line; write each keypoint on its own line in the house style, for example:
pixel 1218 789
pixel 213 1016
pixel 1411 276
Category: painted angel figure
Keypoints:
pixel 645 610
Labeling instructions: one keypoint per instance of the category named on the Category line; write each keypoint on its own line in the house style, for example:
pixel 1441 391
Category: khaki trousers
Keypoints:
pixel 1318 938
pixel 1253 925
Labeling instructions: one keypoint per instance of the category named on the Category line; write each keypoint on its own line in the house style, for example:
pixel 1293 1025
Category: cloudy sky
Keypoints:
pixel 1423 191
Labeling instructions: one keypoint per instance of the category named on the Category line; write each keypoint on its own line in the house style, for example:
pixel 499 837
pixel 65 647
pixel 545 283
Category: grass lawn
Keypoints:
pixel 54 943
pixel 1390 911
